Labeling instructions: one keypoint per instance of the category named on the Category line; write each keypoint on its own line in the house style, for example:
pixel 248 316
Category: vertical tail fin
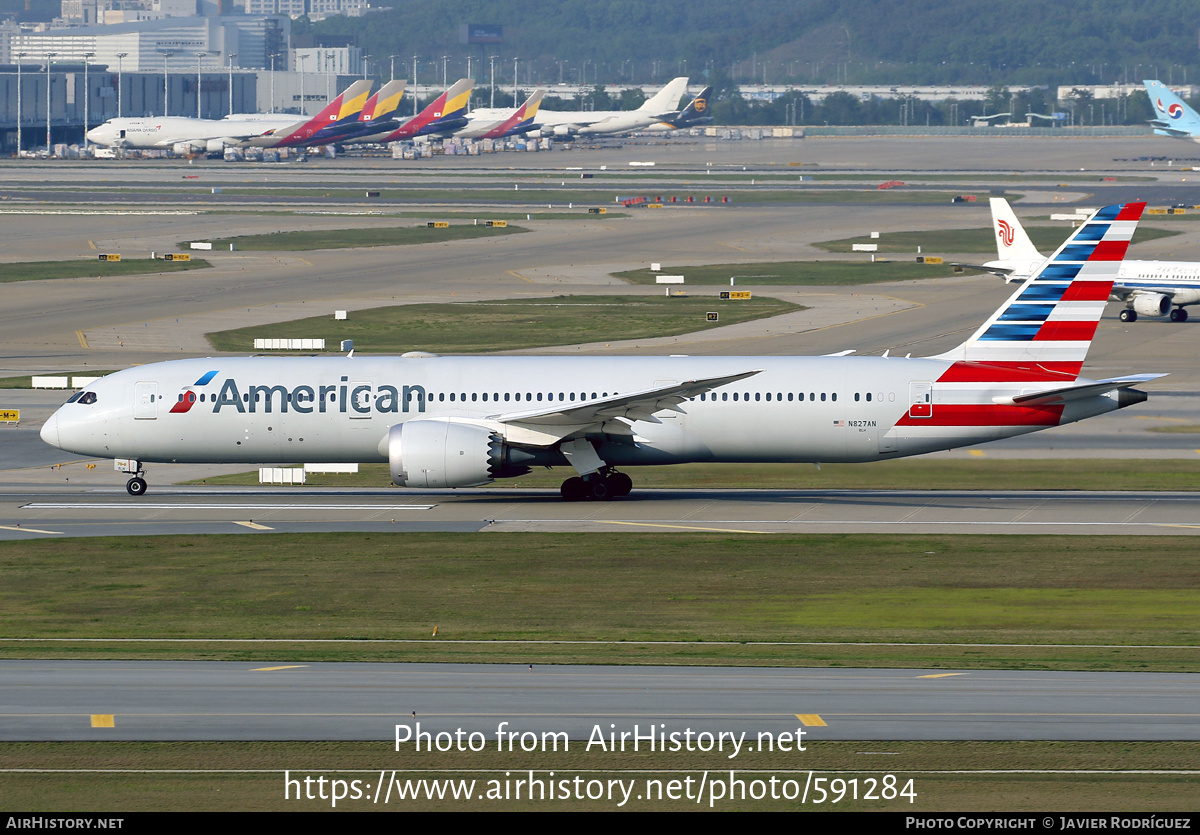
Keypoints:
pixel 666 99
pixel 1047 325
pixel 348 104
pixel 1012 244
pixel 384 103
pixel 1173 116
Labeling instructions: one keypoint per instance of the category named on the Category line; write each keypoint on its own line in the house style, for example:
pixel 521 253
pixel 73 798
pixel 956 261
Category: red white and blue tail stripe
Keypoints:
pixel 1045 329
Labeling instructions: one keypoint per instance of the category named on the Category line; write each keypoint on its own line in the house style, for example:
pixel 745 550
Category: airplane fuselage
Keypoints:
pixel 796 409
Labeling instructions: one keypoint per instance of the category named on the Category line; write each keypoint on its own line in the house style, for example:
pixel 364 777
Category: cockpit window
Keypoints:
pixel 87 398
pixel 75 396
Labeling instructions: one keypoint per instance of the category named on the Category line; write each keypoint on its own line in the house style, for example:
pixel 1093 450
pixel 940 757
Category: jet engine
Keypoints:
pixel 1151 304
pixel 561 130
pixel 182 149
pixel 434 453
pixel 215 146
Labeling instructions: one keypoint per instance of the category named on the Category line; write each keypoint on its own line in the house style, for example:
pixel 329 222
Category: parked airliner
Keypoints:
pixel 458 421
pixel 1147 288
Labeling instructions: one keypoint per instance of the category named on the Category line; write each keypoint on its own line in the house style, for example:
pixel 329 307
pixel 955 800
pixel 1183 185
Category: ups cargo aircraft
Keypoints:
pixel 464 421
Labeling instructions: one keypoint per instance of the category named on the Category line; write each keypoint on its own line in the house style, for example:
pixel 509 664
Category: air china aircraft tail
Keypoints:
pixel 464 421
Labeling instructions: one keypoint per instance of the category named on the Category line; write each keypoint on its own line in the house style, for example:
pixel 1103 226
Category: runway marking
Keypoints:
pixel 273 669
pixel 254 526
pixel 677 527
pixel 731 246
pixel 92 244
pixel 82 339
pixel 103 720
pixel 516 274
pixel 942 675
pixel 811 720
pixel 163 506
pixel 26 530
pixel 303 261
pixel 978 453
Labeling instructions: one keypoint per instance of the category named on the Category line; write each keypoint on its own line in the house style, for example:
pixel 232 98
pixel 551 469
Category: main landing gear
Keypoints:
pixel 1178 314
pixel 136 486
pixel 597 487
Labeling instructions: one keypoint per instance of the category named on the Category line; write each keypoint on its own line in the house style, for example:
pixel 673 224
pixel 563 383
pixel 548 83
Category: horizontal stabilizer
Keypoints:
pixel 1076 392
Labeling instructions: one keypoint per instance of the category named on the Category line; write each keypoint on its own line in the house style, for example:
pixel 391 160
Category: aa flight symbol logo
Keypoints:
pixel 188 398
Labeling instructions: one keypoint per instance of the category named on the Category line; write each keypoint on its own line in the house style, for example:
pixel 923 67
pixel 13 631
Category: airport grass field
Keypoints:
pixel 43 270
pixel 980 473
pixel 506 325
pixel 963 602
pixel 350 238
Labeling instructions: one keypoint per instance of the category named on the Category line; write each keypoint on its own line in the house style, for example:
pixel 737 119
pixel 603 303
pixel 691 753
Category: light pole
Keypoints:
pixel 392 73
pixel 515 81
pixel 199 58
pixel 444 81
pixel 272 84
pixel 415 85
pixel 167 55
pixel 49 55
pixel 87 94
pixel 232 57
pixel 20 55
pixel 120 59
pixel 303 103
pixel 492 100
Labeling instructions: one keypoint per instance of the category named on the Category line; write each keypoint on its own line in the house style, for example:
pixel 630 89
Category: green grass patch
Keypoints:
pixel 806 273
pixel 27 382
pixel 508 324
pixel 1000 602
pixel 1045 238
pixel 347 238
pixel 905 474
pixel 43 270
pixel 195 776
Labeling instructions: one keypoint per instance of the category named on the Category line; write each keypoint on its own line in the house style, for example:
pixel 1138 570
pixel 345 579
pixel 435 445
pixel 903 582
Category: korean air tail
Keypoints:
pixel 1045 328
pixel 1173 117
pixel 327 125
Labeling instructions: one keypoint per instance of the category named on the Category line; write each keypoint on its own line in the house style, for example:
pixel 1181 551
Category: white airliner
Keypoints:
pixel 184 135
pixel 563 123
pixel 1148 288
pixel 459 421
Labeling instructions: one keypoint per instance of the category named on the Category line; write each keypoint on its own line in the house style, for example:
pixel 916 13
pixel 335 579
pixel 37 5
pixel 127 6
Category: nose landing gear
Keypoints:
pixel 136 486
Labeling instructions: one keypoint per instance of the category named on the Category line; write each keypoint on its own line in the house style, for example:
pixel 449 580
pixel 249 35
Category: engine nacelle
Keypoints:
pixel 215 146
pixel 1152 304
pixel 561 131
pixel 184 148
pixel 435 453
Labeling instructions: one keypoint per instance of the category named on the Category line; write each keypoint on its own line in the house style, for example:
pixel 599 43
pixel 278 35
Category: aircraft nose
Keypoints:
pixel 50 431
pixel 96 135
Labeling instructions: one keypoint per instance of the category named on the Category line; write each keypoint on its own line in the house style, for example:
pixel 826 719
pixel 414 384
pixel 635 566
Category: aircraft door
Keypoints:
pixel 145 401
pixel 921 400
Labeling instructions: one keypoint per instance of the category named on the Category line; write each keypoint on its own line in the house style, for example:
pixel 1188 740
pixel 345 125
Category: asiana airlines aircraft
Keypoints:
pixel 458 421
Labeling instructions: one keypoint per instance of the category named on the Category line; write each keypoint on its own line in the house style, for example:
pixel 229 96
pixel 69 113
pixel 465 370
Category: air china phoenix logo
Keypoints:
pixel 187 398
pixel 1005 232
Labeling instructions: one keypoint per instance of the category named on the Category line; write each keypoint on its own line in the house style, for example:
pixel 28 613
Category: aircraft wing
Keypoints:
pixel 556 422
pixel 1076 392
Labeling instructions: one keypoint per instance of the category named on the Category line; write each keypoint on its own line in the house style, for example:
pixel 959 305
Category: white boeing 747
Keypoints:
pixel 1147 288
pixel 457 421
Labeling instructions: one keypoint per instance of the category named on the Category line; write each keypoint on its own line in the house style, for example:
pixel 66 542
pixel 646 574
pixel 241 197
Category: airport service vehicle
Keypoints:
pixel 1147 288
pixel 565 123
pixel 517 122
pixel 446 114
pixel 458 421
pixel 1175 118
pixel 213 136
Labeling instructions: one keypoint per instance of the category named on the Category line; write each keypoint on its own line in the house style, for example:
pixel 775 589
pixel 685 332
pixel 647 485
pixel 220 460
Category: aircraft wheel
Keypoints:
pixel 136 486
pixel 1129 315
pixel 598 490
pixel 1178 314
pixel 574 489
pixel 619 485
